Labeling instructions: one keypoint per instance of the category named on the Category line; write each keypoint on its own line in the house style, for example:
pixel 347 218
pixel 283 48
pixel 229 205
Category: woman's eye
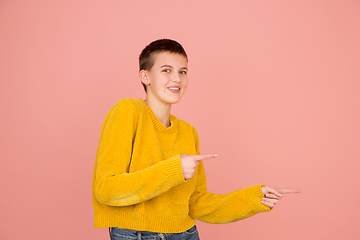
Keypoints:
pixel 166 70
pixel 183 72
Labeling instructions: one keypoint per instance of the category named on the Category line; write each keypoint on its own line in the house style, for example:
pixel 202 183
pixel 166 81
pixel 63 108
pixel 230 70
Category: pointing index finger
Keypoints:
pixel 288 190
pixel 205 156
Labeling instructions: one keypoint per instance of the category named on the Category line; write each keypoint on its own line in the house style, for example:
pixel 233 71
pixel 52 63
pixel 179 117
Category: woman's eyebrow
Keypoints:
pixel 169 66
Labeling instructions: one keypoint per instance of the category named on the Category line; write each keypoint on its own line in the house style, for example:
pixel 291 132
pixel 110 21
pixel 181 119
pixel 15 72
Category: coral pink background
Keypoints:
pixel 274 90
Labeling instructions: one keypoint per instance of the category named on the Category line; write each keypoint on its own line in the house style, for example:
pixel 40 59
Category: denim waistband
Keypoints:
pixel 120 233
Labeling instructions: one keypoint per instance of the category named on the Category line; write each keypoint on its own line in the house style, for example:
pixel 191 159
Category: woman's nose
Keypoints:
pixel 175 78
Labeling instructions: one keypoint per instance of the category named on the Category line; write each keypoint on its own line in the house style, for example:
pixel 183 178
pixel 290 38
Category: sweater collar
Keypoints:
pixel 157 123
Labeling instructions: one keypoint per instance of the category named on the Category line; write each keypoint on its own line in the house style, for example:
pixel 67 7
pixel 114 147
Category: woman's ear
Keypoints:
pixel 144 77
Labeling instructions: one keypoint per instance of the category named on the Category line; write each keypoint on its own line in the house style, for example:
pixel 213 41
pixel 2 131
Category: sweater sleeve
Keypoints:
pixel 114 185
pixel 223 208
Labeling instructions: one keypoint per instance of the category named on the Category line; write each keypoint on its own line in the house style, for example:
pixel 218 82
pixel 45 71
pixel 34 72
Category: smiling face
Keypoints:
pixel 167 80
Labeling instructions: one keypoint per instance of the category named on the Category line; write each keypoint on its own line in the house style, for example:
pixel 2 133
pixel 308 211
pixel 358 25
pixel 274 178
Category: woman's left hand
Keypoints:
pixel 273 195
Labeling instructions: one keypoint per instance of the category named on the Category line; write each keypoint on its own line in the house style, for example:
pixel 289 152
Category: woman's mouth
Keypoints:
pixel 174 89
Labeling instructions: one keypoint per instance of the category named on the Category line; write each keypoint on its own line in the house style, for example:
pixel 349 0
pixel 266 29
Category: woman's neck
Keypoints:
pixel 161 111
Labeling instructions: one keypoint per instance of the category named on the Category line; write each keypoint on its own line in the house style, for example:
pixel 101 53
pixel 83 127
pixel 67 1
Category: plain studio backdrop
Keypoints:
pixel 274 90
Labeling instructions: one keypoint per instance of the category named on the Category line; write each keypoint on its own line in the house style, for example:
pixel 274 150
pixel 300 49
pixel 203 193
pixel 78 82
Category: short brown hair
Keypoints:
pixel 146 60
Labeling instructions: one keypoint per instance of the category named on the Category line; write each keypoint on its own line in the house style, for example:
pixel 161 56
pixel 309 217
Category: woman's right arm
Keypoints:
pixel 113 184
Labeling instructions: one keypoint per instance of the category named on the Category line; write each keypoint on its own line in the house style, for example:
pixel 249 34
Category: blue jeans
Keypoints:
pixel 119 233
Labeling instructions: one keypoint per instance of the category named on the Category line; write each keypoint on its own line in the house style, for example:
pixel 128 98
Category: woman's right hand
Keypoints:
pixel 190 162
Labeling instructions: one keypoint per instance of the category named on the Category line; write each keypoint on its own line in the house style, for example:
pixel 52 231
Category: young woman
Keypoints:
pixel 149 180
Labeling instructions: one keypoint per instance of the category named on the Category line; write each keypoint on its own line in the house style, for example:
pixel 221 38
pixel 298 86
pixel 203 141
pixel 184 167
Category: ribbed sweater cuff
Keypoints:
pixel 173 171
pixel 254 195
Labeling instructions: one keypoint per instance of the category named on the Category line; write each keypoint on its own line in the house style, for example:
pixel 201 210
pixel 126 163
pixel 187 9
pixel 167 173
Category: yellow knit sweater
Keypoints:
pixel 138 182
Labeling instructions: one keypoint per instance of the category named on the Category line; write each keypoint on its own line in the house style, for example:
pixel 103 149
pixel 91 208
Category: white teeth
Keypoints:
pixel 172 88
